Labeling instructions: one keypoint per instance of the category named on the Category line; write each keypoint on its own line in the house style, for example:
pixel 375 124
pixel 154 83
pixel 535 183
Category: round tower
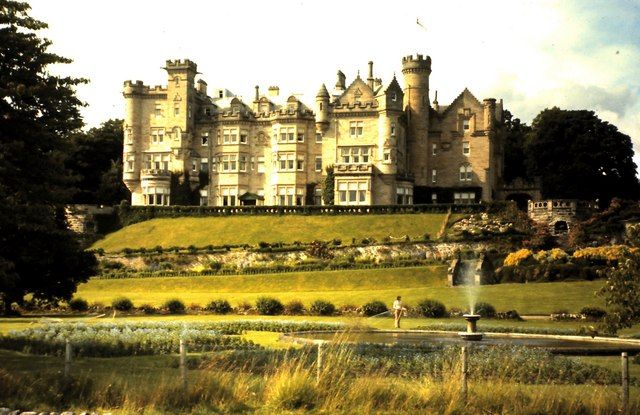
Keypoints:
pixel 322 107
pixel 133 96
pixel 416 71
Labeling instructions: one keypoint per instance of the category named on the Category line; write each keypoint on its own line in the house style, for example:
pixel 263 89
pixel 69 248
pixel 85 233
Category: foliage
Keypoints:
pixel 181 192
pixel 220 306
pixel 322 308
pixel 515 133
pixel 601 164
pixel 606 255
pixel 78 304
pixel 621 293
pixel 555 255
pixel 328 188
pixel 432 309
pixel 519 257
pixel 292 391
pixel 484 309
pixel 319 249
pixel 373 308
pixel 122 304
pixel 174 306
pixel 269 306
pixel 541 238
pixel 547 273
pixel 294 308
pixel 39 115
pixel 593 313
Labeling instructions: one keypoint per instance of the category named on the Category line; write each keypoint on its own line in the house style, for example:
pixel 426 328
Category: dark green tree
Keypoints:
pixel 181 192
pixel 621 293
pixel 515 135
pixel 111 189
pixel 93 154
pixel 39 113
pixel 577 155
pixel 328 190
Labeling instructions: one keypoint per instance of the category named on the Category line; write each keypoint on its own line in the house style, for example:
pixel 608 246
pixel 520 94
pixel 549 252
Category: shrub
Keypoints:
pixel 215 265
pixel 192 249
pixel 292 392
pixel 174 306
pixel 158 249
pixel 220 306
pixel 293 308
pixel 593 313
pixel 269 306
pixel 122 304
pixel 320 250
pixel 432 308
pixel 147 309
pixel 78 304
pixel 486 310
pixel 322 308
pixel 522 256
pixel 509 315
pixel 373 308
pixel 243 307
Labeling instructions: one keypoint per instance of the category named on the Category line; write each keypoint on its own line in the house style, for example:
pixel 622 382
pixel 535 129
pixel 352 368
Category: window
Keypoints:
pixel 130 164
pixel 352 193
pixel 243 163
pixel 128 136
pixel 228 196
pixel 287 135
pixel 204 165
pixel 214 165
pixel 318 165
pixel 466 148
pixel 434 198
pixel 464 197
pixel 156 162
pixel 394 97
pixel 229 162
pixel 465 124
pixel 286 161
pixel 220 93
pixel 434 149
pixel 301 136
pixel 393 129
pixel 354 155
pixel 260 164
pixel 356 128
pixel 230 136
pixel 243 137
pixel 321 106
pixel 466 173
pixel 194 166
pixel 300 163
pixel 204 200
pixel 158 110
pixel 434 175
pixel 404 196
pixel 157 136
pixel 205 139
pixel 386 155
pixel 176 110
pixel 317 196
pixel 156 196
pixel 253 163
pixel 176 80
pixel 318 137
pixel 288 196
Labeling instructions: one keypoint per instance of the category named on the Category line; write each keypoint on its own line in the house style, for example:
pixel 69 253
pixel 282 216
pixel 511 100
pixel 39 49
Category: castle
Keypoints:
pixel 384 143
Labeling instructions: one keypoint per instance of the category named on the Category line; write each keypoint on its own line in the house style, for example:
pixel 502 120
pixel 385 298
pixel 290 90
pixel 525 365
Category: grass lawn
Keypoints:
pixel 354 287
pixel 253 229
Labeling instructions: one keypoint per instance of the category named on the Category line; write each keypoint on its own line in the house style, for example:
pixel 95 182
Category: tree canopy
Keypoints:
pixel 579 156
pixel 39 114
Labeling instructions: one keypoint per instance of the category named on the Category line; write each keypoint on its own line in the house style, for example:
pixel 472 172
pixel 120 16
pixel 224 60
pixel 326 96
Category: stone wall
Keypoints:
pixel 560 214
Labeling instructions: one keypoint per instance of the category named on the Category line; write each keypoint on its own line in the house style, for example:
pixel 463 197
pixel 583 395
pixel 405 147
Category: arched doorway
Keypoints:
pixel 521 199
pixel 560 227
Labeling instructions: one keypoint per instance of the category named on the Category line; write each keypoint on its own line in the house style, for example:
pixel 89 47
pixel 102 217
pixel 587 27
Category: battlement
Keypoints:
pixel 137 87
pixel 181 64
pixel 416 63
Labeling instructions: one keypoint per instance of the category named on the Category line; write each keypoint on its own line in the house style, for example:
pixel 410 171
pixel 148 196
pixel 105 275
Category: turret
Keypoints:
pixel 489 113
pixel 322 106
pixel 416 71
pixel 134 93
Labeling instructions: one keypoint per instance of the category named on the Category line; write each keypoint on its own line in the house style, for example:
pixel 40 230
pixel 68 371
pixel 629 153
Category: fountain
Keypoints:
pixel 471 333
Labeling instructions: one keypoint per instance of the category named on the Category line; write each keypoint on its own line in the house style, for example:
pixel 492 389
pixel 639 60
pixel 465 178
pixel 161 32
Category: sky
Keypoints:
pixel 574 54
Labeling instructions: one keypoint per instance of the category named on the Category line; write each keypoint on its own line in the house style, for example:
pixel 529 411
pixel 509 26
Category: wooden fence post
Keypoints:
pixel 67 358
pixel 183 363
pixel 464 368
pixel 319 363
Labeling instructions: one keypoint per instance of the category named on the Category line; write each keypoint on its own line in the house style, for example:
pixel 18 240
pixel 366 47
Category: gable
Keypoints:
pixel 358 91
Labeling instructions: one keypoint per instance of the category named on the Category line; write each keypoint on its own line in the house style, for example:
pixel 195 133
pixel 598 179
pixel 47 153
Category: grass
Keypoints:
pixel 353 287
pixel 253 229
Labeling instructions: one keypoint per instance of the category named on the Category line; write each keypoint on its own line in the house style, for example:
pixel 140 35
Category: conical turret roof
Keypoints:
pixel 322 92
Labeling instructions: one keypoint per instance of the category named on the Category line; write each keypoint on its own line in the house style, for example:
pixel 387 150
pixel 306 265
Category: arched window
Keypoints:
pixel 176 80
pixel 465 173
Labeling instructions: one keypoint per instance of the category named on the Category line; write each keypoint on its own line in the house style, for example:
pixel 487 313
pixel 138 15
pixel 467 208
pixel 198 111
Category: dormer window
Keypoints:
pixel 394 97
pixel 220 93
pixel 465 124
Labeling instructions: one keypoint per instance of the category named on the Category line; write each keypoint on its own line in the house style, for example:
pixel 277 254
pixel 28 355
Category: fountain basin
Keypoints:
pixel 564 345
pixel 472 329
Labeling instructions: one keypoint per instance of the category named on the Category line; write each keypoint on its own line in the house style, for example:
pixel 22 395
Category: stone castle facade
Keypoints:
pixel 387 143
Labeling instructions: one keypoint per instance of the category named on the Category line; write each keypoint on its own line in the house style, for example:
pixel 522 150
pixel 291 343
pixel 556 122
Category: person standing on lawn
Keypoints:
pixel 397 311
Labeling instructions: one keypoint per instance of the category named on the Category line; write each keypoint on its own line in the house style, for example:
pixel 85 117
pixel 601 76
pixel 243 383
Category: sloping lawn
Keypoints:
pixel 253 229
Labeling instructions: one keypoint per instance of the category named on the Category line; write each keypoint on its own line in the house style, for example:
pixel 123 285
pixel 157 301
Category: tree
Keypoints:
pixel 39 115
pixel 579 156
pixel 621 293
pixel 515 135
pixel 93 155
pixel 328 189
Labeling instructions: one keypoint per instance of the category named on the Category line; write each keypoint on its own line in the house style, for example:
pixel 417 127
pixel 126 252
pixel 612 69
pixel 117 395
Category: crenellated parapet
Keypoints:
pixel 419 63
pixel 134 88
pixel 181 64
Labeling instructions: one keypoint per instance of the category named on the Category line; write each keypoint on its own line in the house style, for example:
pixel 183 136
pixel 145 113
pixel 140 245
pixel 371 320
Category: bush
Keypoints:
pixel 521 257
pixel 432 309
pixel 215 265
pixel 322 308
pixel 373 308
pixel 269 306
pixel 122 304
pixel 147 309
pixel 243 307
pixel 593 313
pixel 509 315
pixel 219 307
pixel 174 306
pixel 294 308
pixel 78 304
pixel 486 310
